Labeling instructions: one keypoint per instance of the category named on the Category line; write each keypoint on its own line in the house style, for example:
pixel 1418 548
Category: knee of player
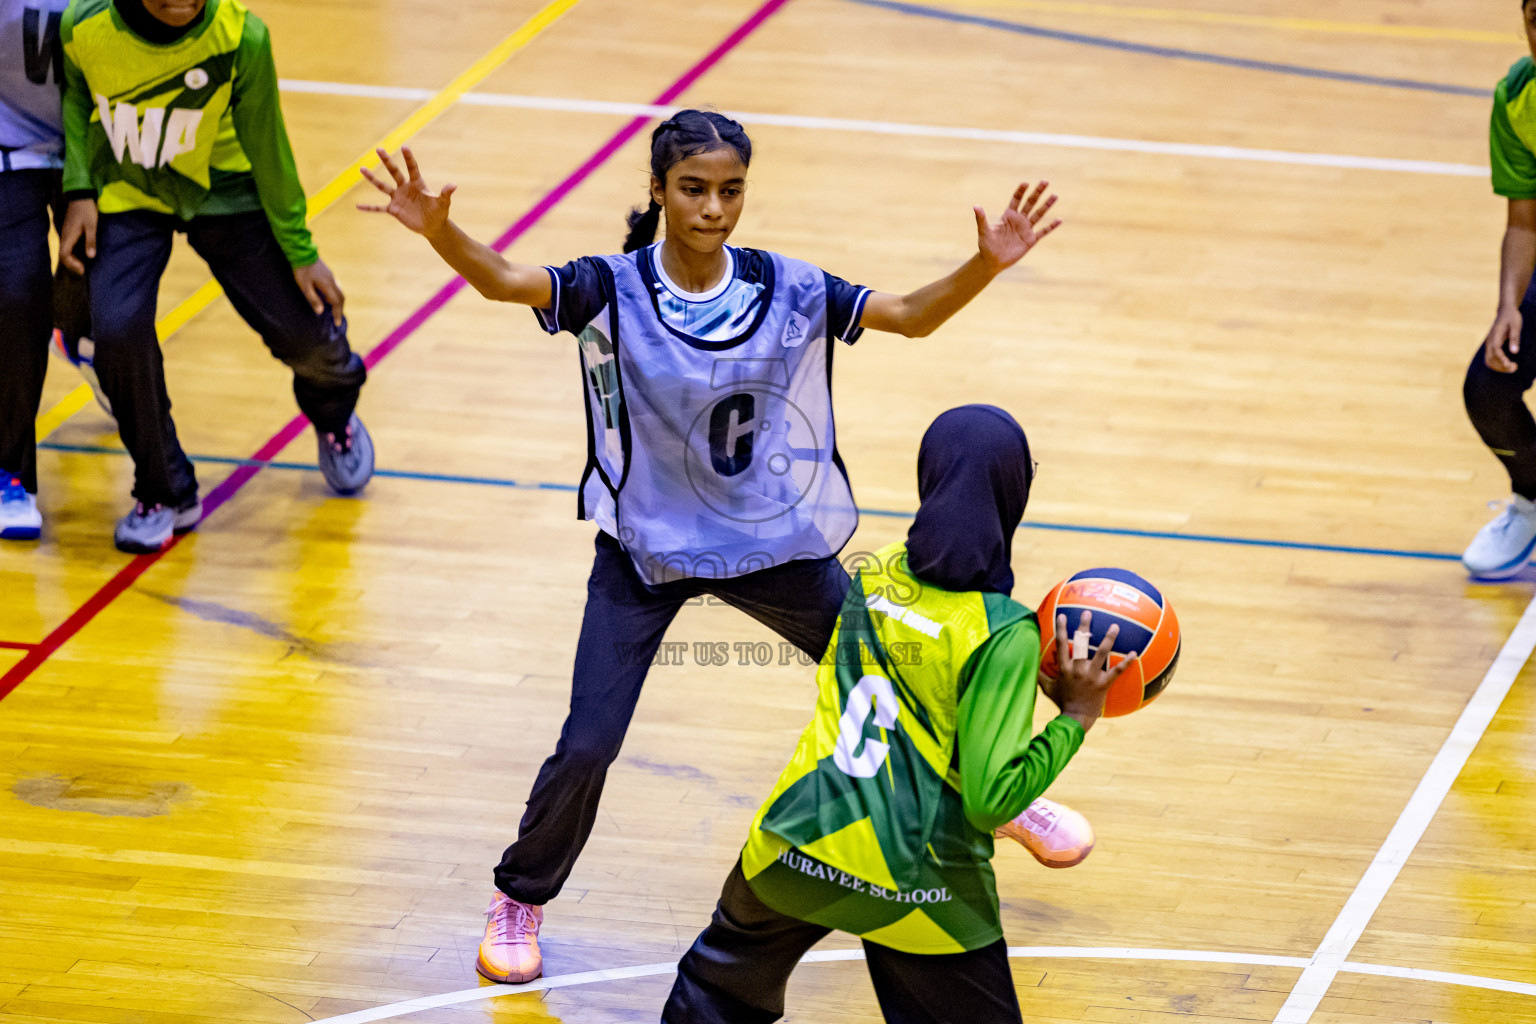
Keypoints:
pixel 592 751
pixel 1484 387
pixel 121 326
pixel 320 366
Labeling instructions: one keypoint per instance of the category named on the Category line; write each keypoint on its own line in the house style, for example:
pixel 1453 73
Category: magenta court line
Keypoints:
pixel 37 654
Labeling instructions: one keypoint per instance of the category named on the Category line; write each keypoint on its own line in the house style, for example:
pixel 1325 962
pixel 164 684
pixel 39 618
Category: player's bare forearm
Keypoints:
pixel 1517 257
pixel 920 313
pixel 1518 254
pixel 487 272
pixel 425 211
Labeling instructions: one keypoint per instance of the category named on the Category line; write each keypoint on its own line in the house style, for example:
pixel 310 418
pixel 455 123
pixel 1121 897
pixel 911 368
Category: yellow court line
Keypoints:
pixel 1465 35
pixel 342 183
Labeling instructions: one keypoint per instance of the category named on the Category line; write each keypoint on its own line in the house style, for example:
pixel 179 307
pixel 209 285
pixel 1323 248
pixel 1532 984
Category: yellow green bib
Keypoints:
pixel 864 830
pixel 160 124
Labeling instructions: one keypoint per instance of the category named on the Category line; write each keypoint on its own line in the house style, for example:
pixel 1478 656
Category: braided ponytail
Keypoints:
pixel 642 226
pixel 686 133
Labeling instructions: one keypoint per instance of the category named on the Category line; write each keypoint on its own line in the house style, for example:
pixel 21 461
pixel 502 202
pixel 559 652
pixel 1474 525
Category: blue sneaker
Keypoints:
pixel 82 356
pixel 19 517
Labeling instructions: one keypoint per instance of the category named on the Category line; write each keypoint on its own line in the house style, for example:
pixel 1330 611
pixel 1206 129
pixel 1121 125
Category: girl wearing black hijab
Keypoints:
pixel 882 824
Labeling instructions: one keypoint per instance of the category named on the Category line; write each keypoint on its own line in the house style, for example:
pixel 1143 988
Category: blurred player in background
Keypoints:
pixel 172 123
pixel 1502 372
pixel 882 824
pixel 31 163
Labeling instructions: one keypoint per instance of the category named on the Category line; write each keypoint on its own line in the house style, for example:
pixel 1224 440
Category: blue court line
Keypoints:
pixel 539 485
pixel 1174 52
pixel 394 474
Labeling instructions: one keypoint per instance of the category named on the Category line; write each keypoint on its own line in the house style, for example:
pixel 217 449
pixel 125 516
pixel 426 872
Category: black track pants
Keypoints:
pixel 620 633
pixel 132 250
pixel 26 315
pixel 737 970
pixel 1496 404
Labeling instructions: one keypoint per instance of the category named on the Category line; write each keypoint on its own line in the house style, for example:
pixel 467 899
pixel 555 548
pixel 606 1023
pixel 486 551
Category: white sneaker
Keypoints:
pixel 83 358
pixel 1503 547
pixel 19 517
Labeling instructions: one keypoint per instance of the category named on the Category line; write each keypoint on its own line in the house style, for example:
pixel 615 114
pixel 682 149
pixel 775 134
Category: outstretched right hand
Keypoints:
pixel 1083 683
pixel 410 201
pixel 1503 341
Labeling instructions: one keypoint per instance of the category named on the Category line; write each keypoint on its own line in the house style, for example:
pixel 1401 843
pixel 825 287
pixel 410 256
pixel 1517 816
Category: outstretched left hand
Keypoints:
pixel 1005 243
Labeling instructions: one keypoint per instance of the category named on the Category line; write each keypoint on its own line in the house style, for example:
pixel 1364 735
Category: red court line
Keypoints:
pixel 231 484
pixel 10 645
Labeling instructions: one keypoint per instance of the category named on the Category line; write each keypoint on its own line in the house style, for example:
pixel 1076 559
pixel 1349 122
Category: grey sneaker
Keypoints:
pixel 146 529
pixel 347 461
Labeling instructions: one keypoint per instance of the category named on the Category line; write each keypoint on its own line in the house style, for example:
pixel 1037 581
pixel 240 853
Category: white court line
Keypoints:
pixel 488 991
pixel 470 995
pixel 1193 956
pixel 1443 977
pixel 372 92
pixel 1335 948
pixel 927 131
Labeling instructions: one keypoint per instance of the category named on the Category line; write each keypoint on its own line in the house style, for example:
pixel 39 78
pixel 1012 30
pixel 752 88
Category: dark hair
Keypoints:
pixel 686 133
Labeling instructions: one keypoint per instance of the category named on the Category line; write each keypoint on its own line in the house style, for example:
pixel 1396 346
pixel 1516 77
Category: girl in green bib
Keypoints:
pixel 172 125
pixel 882 824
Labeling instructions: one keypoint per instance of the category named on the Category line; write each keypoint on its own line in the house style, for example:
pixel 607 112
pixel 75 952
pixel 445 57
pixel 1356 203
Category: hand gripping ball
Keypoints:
pixel 1148 627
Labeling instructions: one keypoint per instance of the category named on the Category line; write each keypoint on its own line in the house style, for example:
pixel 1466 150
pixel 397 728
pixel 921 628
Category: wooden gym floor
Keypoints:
pixel 264 777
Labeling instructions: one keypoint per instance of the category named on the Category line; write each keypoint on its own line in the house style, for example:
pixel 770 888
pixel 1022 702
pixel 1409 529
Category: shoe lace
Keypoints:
pixel 1507 518
pixel 12 490
pixel 1041 817
pixel 510 920
pixel 343 446
pixel 142 510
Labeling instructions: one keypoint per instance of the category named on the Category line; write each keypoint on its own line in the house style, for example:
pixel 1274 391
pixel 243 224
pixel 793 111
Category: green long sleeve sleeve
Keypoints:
pixel 1003 768
pixel 258 119
pixel 78 144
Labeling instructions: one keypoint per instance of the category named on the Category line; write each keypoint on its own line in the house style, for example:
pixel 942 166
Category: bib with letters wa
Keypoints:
pixel 160 124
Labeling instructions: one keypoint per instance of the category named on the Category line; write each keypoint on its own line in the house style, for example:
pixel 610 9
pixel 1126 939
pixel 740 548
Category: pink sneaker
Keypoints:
pixel 510 950
pixel 1058 836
